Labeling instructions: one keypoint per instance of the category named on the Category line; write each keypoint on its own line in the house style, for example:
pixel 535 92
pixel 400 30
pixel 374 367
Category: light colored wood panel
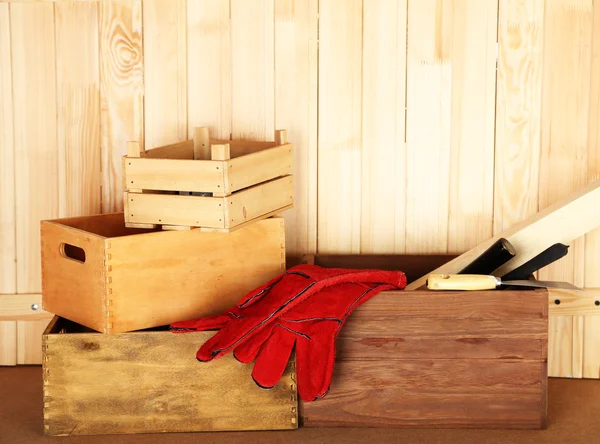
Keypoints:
pixel 21 307
pixel 259 166
pixel 8 253
pixel 174 174
pixel 518 111
pixel 35 134
pixel 209 67
pixel 474 47
pixel 165 71
pixel 179 150
pixel 121 91
pixel 29 340
pixel 259 200
pixel 78 108
pixel 428 123
pixel 340 134
pixel 383 127
pixel 142 394
pixel 563 160
pixel 591 333
pixel 253 69
pixel 193 211
pixel 8 343
pixel 296 30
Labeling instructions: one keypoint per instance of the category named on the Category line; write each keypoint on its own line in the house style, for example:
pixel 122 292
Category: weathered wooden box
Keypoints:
pixel 216 185
pixel 149 382
pixel 462 359
pixel 101 274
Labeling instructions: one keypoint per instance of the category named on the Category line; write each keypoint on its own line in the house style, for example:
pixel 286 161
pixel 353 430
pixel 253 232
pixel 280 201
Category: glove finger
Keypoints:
pixel 273 358
pixel 248 350
pixel 315 359
pixel 201 324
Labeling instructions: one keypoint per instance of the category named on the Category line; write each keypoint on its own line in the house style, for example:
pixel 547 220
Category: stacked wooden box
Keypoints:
pixel 115 284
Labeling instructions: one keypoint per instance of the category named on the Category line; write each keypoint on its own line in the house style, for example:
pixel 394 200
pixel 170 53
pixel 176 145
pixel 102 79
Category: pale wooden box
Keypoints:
pixel 101 274
pixel 151 382
pixel 215 185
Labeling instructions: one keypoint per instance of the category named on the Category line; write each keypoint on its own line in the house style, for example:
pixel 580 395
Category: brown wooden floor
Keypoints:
pixel 573 409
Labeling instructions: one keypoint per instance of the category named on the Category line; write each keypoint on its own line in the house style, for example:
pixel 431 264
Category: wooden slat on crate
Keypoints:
pixel 8 253
pixel 165 71
pixel 169 209
pixel 35 133
pixel 179 150
pixel 259 166
pixel 8 343
pixel 78 108
pixel 150 382
pixel 174 174
pixel 21 307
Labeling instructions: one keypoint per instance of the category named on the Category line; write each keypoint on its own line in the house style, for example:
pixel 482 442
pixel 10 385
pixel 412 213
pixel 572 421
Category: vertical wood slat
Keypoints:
pixel 563 161
pixel 252 68
pixel 78 108
pixel 473 95
pixel 340 128
pixel 121 91
pixel 209 67
pixel 296 111
pixel 35 134
pixel 518 111
pixel 428 122
pixel 383 127
pixel 8 343
pixel 165 72
pixel 29 341
pixel 591 327
pixel 8 254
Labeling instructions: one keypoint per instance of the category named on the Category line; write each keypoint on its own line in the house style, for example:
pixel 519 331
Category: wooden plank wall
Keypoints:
pixel 419 126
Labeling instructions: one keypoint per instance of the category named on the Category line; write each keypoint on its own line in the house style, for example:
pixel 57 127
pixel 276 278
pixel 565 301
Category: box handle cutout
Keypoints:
pixel 72 252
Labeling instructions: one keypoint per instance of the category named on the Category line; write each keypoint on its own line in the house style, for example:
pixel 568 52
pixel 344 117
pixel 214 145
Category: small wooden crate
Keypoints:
pixel 463 359
pixel 101 274
pixel 149 382
pixel 215 185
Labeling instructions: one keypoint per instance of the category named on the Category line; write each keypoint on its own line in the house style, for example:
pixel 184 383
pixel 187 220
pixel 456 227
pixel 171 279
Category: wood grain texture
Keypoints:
pixel 29 340
pixel 252 69
pixel 296 58
pixel 148 382
pixel 591 333
pixel 22 307
pixel 473 90
pixel 8 344
pixel 428 124
pixel 518 111
pixel 78 108
pixel 121 91
pixel 260 166
pixel 411 359
pixel 165 72
pixel 340 133
pixel 8 252
pixel 383 184
pixel 563 160
pixel 35 133
pixel 209 67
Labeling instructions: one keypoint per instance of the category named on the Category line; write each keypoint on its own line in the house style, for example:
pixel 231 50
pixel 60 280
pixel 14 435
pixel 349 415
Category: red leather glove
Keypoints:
pixel 261 307
pixel 312 327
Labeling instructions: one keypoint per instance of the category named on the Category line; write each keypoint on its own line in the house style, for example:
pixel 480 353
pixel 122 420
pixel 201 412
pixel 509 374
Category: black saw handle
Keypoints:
pixel 546 257
pixel 496 255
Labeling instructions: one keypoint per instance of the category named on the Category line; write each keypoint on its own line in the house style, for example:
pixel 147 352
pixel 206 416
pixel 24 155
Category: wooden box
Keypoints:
pixel 462 359
pixel 101 274
pixel 216 185
pixel 150 381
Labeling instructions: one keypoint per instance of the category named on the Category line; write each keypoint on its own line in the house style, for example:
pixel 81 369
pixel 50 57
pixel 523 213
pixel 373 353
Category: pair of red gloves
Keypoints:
pixel 304 307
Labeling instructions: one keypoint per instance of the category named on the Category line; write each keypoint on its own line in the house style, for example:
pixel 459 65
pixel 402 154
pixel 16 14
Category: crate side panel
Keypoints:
pixel 174 175
pixel 71 288
pixel 259 167
pixel 171 209
pixel 181 150
pixel 151 382
pixel 259 200
pixel 207 272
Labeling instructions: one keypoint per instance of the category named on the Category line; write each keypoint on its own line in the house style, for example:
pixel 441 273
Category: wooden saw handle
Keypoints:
pixel 461 282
